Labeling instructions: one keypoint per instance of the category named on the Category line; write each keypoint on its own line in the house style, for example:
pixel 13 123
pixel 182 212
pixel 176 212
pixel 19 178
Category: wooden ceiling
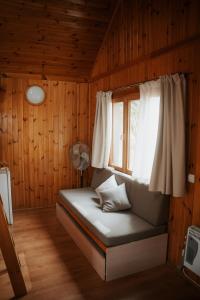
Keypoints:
pixel 52 39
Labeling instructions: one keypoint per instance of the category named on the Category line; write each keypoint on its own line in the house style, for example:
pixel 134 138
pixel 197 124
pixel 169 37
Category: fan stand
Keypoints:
pixel 81 179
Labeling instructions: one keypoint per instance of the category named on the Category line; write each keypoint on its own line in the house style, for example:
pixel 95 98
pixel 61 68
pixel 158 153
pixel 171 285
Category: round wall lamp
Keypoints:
pixel 35 94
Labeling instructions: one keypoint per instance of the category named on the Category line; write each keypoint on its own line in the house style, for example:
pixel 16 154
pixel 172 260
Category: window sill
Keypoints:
pixel 119 172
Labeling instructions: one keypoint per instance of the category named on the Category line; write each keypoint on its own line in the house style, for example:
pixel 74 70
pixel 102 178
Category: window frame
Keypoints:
pixel 126 98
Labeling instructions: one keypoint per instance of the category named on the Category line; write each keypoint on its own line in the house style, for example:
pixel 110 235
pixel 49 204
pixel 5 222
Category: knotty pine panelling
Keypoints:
pixel 35 140
pixel 141 28
pixel 58 38
pixel 125 58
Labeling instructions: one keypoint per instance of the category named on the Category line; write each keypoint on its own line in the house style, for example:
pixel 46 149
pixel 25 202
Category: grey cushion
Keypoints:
pixel 112 229
pixel 115 199
pixel 153 207
pixel 99 176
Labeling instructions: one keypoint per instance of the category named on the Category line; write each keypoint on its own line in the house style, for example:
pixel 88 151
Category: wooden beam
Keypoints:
pixel 36 76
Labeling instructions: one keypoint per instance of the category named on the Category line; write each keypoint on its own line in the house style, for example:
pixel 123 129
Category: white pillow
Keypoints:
pixel 108 184
pixel 115 199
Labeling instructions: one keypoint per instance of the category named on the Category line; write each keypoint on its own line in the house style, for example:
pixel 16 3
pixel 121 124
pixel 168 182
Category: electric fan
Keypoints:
pixel 79 154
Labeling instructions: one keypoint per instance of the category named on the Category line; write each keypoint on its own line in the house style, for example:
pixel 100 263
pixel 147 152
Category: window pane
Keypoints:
pixel 133 120
pixel 117 142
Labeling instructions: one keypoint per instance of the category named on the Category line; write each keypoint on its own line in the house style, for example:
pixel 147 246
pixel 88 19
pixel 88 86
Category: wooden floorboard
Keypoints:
pixel 58 270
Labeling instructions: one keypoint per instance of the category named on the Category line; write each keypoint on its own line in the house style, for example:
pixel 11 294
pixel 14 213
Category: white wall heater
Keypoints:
pixel 192 250
pixel 5 191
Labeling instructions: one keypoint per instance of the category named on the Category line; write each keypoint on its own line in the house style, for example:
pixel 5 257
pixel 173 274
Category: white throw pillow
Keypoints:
pixel 108 184
pixel 115 199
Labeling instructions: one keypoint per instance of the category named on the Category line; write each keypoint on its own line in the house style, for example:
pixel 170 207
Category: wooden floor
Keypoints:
pixel 58 270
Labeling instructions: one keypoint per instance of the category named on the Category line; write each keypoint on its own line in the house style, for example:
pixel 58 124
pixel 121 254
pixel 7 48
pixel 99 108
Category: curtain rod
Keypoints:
pixel 141 82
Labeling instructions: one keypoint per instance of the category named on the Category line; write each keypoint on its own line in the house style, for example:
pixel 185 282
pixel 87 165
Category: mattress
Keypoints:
pixel 112 228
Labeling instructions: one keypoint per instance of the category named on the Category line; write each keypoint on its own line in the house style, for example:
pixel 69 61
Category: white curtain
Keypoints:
pixel 168 173
pixel 146 131
pixel 102 134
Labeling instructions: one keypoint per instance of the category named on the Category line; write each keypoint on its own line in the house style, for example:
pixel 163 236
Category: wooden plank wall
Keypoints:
pixel 35 140
pixel 143 28
pixel 149 39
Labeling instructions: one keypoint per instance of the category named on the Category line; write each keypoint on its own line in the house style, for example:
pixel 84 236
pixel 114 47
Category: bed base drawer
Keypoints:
pixel 136 256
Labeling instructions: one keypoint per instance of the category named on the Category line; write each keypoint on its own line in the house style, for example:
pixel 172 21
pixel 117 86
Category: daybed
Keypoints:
pixel 117 243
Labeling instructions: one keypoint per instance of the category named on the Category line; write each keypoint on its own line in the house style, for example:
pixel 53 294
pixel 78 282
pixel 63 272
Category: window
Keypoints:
pixel 125 117
pixel 132 127
pixel 117 136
